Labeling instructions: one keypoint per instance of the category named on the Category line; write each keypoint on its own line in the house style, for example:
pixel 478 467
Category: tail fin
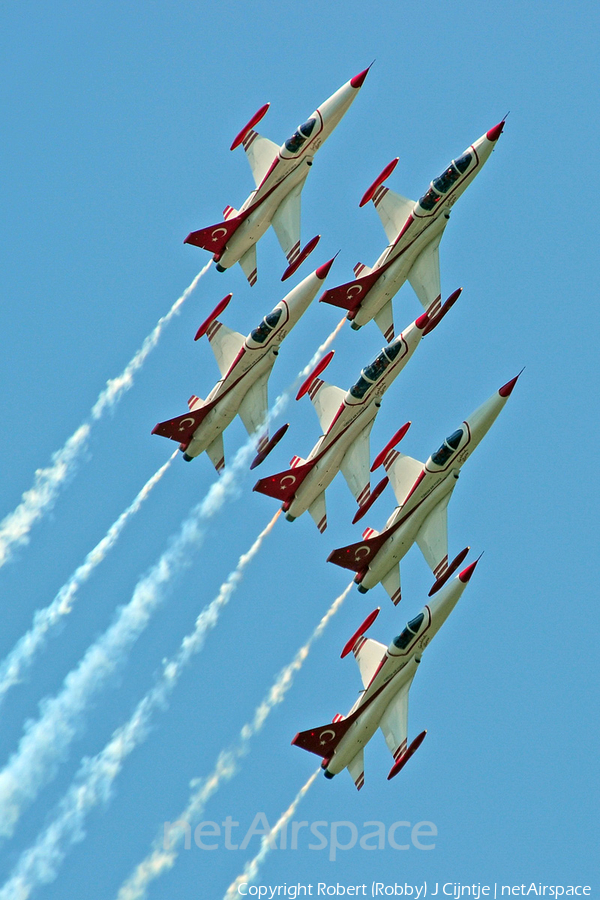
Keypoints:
pixel 284 485
pixel 215 237
pixel 323 740
pixel 182 428
pixel 350 295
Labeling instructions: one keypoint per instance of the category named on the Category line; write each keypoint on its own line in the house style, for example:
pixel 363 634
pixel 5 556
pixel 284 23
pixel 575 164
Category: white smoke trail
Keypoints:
pixel 267 842
pixel 161 858
pixel 39 864
pixel 22 655
pixel 46 741
pixel 40 498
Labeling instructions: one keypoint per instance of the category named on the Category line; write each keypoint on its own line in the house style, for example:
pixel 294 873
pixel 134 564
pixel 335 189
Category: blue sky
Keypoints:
pixel 117 123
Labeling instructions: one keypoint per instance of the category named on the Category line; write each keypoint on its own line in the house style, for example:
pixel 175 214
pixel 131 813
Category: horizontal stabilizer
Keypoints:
pixel 350 295
pixel 182 428
pixel 318 511
pixel 216 453
pixel 284 485
pixel 215 237
pixel 356 767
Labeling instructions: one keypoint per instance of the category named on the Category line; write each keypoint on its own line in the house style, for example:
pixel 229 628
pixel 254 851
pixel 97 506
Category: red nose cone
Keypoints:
pixel 358 80
pixel 495 132
pixel 507 389
pixel 422 322
pixel 465 575
pixel 323 271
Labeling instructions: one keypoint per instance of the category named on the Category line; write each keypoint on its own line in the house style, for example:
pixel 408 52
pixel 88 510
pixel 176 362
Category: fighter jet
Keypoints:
pixel 387 675
pixel 414 230
pixel 245 364
pixel 346 419
pixel 423 491
pixel 279 174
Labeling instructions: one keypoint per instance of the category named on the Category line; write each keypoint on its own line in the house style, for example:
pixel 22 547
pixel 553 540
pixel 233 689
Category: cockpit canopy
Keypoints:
pixel 441 185
pixel 302 133
pixel 260 334
pixel 404 639
pixel 371 373
pixel 450 445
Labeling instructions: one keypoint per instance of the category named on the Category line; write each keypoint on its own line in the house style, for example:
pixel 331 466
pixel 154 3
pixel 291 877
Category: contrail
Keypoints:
pixel 40 498
pixel 45 742
pixel 22 655
pixel 160 858
pixel 39 864
pixel 267 844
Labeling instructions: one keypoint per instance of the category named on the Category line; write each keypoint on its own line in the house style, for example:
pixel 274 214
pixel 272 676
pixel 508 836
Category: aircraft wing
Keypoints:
pixel 394 722
pixel 286 223
pixel 355 466
pixel 254 408
pixel 368 654
pixel 260 152
pixel 432 537
pixel 225 344
pixel 393 211
pixel 326 399
pixel 424 276
pixel 403 471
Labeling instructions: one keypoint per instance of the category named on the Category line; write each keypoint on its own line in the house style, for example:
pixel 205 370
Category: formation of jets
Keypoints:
pixel 422 490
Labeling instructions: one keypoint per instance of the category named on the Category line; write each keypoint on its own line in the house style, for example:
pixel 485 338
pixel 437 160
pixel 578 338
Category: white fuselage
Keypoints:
pixel 356 414
pixel 254 361
pixel 287 171
pixel 421 228
pixel 434 483
pixel 396 671
pixel 227 394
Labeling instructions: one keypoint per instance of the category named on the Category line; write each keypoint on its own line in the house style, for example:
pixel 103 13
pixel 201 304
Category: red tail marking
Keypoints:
pixel 182 428
pixel 350 295
pixel 215 237
pixel 323 740
pixel 284 485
